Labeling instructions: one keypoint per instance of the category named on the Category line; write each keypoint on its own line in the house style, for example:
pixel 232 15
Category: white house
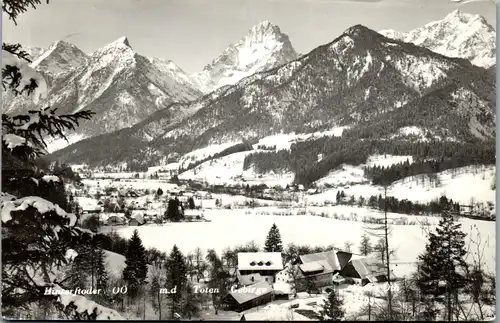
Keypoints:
pixel 258 266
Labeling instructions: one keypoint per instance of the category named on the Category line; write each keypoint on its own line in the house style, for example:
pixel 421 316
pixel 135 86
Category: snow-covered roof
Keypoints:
pixel 50 178
pixel 311 267
pixel 172 166
pixel 329 259
pixel 368 267
pixel 191 212
pixel 6 197
pixel 260 261
pixel 282 288
pixel 87 203
pixel 250 292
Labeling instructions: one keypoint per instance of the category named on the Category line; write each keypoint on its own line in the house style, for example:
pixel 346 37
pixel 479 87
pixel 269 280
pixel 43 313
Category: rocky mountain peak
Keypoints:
pixel 59 57
pixel 264 47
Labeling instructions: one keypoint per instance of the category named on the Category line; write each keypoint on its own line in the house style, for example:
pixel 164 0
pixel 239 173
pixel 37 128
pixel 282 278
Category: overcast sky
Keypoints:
pixel 193 32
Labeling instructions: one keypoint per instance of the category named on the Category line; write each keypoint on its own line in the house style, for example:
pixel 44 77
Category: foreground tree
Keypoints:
pixel 38 237
pixel 136 268
pixel 219 278
pixel 332 309
pixel 442 269
pixel 176 278
pixel 273 241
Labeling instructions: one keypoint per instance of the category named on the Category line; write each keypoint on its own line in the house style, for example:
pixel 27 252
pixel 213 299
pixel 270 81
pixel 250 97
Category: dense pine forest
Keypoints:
pixel 313 159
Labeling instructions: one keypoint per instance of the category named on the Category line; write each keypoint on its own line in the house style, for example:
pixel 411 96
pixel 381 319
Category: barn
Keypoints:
pixel 248 297
pixel 364 270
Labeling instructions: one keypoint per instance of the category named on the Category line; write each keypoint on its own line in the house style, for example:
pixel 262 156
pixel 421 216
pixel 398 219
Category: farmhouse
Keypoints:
pixel 248 297
pixel 136 220
pixel 258 266
pixel 320 267
pixel 364 270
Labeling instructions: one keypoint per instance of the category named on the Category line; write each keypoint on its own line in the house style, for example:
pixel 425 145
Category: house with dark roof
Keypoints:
pixel 258 266
pixel 247 297
pixel 364 270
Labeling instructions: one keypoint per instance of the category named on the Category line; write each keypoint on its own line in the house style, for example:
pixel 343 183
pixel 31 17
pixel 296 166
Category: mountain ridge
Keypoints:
pixel 358 77
pixel 121 86
pixel 459 34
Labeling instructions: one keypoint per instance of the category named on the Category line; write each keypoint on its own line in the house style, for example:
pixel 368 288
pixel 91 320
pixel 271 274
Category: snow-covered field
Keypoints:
pixel 460 184
pixel 284 141
pixel 202 153
pixel 150 184
pixel 229 170
pixel 232 227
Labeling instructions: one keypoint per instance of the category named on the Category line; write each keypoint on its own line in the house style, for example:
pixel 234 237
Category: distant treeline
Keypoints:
pixel 387 175
pixel 302 158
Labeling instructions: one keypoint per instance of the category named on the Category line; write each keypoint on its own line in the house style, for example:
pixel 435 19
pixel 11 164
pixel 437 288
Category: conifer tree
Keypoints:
pixel 190 303
pixel 332 309
pixel 101 272
pixel 191 203
pixel 176 278
pixel 136 268
pixel 442 269
pixel 38 236
pixel 173 213
pixel 273 241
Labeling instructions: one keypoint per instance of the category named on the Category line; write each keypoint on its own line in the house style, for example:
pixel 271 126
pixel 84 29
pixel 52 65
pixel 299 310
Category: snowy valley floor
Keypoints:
pixel 233 227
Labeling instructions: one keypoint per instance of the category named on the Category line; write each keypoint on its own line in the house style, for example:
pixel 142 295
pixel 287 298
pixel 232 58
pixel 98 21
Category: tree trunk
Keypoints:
pixel 144 306
pixel 159 305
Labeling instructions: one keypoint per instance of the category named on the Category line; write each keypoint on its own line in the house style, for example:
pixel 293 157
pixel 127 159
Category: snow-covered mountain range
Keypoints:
pixel 126 89
pixel 459 34
pixel 375 85
pixel 263 48
pixel 119 85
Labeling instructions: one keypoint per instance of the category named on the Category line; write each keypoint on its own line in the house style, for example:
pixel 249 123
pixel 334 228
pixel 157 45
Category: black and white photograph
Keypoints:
pixel 248 160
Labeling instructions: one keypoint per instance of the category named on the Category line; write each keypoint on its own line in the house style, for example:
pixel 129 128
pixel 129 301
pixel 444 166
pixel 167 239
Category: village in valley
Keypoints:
pixel 270 278
pixel 352 180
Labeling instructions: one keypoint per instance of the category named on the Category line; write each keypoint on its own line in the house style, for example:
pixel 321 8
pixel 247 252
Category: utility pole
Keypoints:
pixel 387 252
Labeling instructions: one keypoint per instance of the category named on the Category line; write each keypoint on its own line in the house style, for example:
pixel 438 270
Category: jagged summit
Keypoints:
pixel 264 27
pixel 263 47
pixel 59 57
pixel 120 42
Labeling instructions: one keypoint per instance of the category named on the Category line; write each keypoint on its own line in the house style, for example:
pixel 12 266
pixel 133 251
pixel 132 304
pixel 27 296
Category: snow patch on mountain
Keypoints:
pixel 203 153
pixel 54 144
pixel 459 34
pixel 284 141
